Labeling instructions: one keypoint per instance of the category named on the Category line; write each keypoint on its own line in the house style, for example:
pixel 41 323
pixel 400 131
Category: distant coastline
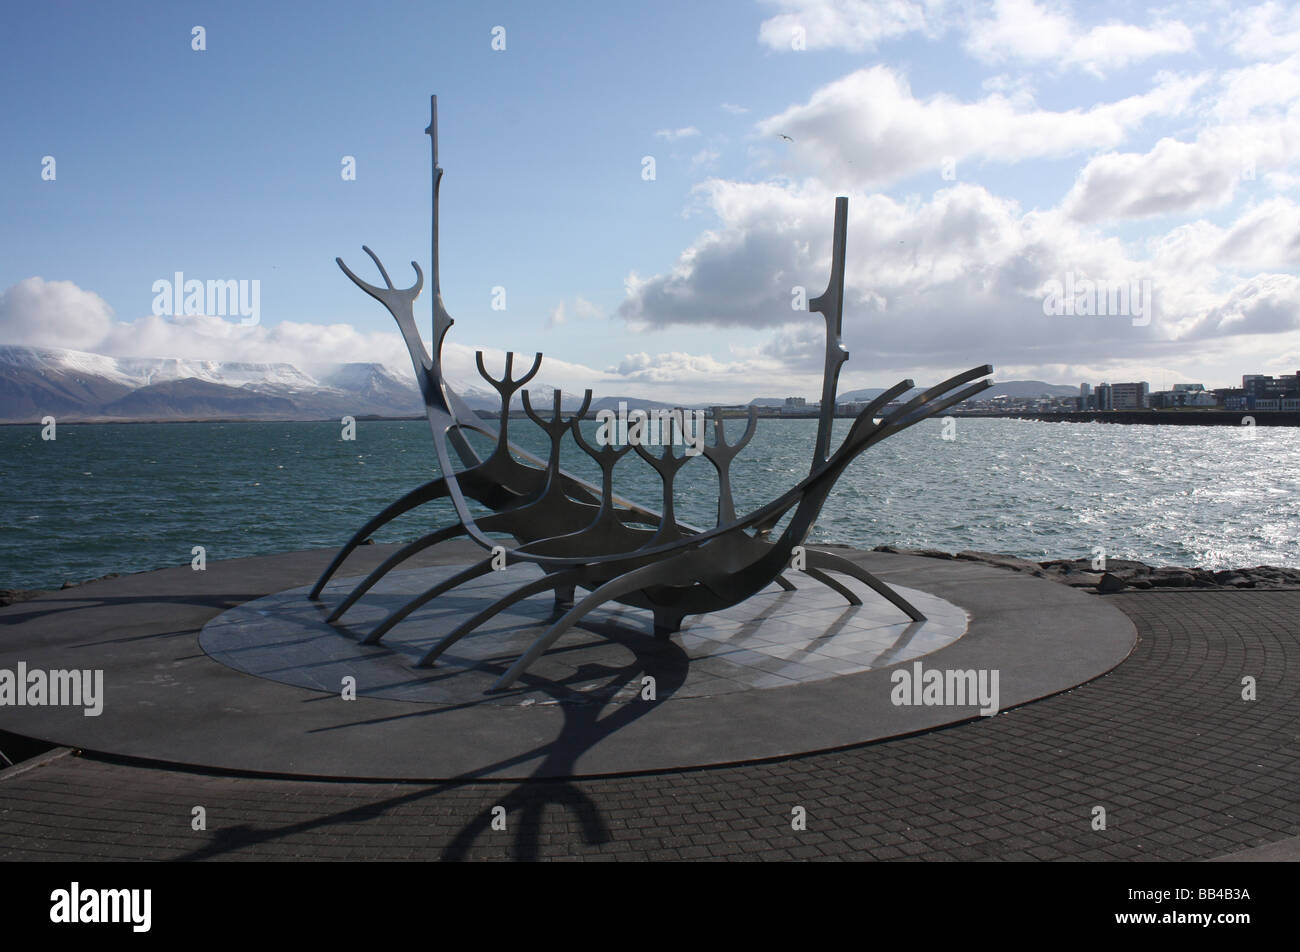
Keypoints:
pixel 1182 417
pixel 95 421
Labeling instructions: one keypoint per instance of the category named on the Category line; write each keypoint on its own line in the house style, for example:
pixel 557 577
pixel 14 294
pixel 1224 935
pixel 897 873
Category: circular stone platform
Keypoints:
pixel 775 639
pixel 580 712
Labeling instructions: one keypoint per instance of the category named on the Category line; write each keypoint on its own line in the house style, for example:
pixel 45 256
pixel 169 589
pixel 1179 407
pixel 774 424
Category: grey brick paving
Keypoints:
pixel 1183 766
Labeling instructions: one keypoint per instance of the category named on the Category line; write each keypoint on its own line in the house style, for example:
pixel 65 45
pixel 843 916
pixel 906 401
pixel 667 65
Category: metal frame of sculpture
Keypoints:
pixel 584 537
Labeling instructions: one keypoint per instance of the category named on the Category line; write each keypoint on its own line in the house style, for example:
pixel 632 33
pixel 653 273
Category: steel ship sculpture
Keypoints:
pixel 584 537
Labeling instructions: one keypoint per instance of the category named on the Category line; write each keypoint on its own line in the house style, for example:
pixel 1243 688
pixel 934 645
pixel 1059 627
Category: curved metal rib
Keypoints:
pixel 434 489
pixel 829 562
pixel 478 569
pixel 554 580
pixel 390 563
pixel 833 585
pixel 607 592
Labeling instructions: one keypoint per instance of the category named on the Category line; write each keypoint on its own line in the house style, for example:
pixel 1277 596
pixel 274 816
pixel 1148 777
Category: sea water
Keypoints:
pixel 131 497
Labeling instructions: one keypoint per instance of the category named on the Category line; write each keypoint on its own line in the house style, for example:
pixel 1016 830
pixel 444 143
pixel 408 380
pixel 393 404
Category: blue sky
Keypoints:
pixel 1116 142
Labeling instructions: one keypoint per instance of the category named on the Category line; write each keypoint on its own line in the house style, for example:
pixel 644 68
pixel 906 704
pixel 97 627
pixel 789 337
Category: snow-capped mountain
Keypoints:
pixel 72 385
pixel 144 371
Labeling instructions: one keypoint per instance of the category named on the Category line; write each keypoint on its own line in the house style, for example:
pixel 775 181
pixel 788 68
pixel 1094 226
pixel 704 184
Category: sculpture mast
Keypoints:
pixel 441 319
pixel 831 305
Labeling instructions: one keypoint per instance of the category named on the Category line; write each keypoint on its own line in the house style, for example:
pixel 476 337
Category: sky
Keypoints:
pixel 995 156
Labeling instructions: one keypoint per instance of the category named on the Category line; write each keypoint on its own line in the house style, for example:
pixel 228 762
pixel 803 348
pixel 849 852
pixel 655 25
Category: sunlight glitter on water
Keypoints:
pixel 1162 494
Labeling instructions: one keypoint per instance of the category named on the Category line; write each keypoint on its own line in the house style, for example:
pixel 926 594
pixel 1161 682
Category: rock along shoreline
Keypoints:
pixel 1122 574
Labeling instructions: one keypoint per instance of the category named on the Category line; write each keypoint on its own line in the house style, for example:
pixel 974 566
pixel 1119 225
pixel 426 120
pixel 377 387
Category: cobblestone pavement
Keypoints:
pixel 1184 767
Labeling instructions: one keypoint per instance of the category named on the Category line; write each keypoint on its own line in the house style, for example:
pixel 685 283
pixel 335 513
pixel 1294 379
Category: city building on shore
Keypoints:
pixel 1263 392
pixel 1131 396
pixel 1259 392
pixel 1184 395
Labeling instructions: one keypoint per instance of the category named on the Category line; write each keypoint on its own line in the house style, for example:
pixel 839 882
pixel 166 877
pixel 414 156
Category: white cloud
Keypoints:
pixel 868 128
pixel 1038 33
pixel 1021 29
pixel 705 158
pixel 1014 30
pixel 1263 88
pixel 1264 304
pixel 734 109
pixel 1282 181
pixel 582 308
pixel 39 313
pixel 679 376
pixel 1173 177
pixel 1179 177
pixel 460 367
pixel 847 24
pixel 672 135
pixel 678 366
pixel 1267 29
pixel 306 345
pixel 958 279
pixel 1255 133
pixel 1266 236
pixel 935 284
pixel 1018 88
pixel 1241 268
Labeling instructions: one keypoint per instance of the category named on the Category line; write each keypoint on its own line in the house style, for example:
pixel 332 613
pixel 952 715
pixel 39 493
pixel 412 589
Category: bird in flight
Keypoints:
pixel 786 137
